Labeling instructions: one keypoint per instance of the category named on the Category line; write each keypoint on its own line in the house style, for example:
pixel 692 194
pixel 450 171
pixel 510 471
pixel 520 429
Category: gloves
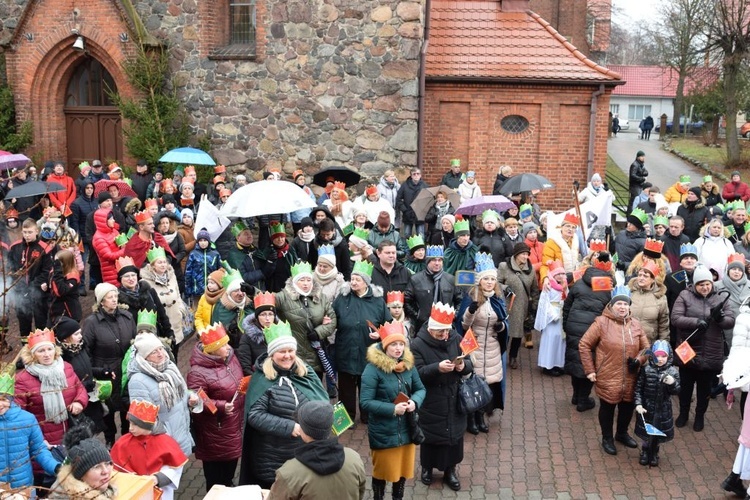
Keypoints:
pixel 247 289
pixel 716 313
pixel 640 409
pixel 668 379
pixel 312 336
pixel 473 307
pixel 272 255
pixel 633 365
pixel 702 326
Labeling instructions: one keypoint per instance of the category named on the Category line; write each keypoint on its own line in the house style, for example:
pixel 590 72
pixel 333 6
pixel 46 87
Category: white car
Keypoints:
pixel 624 125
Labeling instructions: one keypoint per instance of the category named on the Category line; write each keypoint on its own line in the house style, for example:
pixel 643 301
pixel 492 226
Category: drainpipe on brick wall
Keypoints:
pixel 592 132
pixel 420 108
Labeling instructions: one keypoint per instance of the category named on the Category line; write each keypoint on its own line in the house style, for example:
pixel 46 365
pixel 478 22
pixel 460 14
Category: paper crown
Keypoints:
pixel 484 265
pixel 219 179
pixel 187 181
pixel 394 297
pixel 525 210
pixel 718 209
pixel 225 192
pixel 640 215
pixel 653 248
pixel 232 275
pixel 660 220
pixel 213 337
pixel 339 185
pixel 555 267
pixel 684 179
pixel 11 213
pixel 730 230
pixel 460 225
pixel 220 169
pixel 166 183
pixel 156 253
pixel 434 252
pixel 326 250
pixel 40 337
pixel 391 331
pixel 238 227
pixel 121 239
pixel 7 384
pixel 598 246
pixel 415 242
pixel 371 190
pixel 276 331
pixel 190 169
pixel 708 178
pixel 82 165
pixel 490 215
pixel 151 202
pixel 131 232
pixel 570 219
pixel 360 232
pixel 455 162
pixel 264 300
pixel 302 267
pixel 651 267
pixel 142 216
pixel 146 320
pixel 362 267
pixel 688 249
pixel 442 314
pixel 297 173
pixel 736 257
pixel 278 229
pixel 144 412
pixel 620 292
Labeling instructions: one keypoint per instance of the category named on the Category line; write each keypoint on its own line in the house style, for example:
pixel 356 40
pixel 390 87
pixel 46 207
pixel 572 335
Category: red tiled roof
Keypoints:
pixel 476 40
pixel 658 81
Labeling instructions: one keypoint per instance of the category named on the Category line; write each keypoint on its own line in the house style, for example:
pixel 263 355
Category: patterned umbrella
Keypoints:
pixel 8 161
pixel 104 184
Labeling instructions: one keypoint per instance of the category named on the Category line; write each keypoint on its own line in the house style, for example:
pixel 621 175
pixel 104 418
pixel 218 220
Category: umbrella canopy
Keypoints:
pixel 266 197
pixel 525 182
pixel 189 156
pixel 208 216
pixel 5 153
pixel 476 206
pixel 341 174
pixel 426 199
pixel 103 185
pixel 34 188
pixel 13 161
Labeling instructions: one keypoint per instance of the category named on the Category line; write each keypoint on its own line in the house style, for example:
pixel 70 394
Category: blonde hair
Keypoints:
pixel 389 173
pixel 270 372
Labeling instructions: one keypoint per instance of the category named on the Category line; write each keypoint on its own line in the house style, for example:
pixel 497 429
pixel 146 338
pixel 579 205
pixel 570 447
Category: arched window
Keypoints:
pixel 89 85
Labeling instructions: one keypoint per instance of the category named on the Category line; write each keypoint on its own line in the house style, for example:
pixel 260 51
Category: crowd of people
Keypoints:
pixel 355 300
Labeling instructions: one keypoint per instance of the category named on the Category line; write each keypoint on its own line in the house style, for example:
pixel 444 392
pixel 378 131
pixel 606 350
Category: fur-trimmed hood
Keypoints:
pixel 375 290
pixel 315 293
pixel 67 486
pixel 385 363
pixel 132 206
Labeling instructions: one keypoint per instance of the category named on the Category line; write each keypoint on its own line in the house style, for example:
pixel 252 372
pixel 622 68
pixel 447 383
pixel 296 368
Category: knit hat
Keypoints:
pixel 363 270
pixel 104 196
pixel 391 332
pixel 213 338
pixel 103 289
pixel 521 248
pixel 279 336
pixel 187 211
pixel 384 219
pixel 640 153
pixel 328 254
pixel 702 273
pixel 87 454
pixel 450 217
pixel 596 177
pixel 358 209
pixel 620 293
pixel 203 235
pixel 527 228
pixel 736 260
pixel 316 419
pixel 696 191
pixel 146 343
pixel 305 222
pixel 65 328
pixel 736 172
pixel 217 276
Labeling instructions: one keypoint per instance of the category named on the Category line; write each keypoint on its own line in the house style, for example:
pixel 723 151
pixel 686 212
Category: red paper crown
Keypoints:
pixel 124 261
pixel 604 266
pixel 598 246
pixel 142 216
pixel 652 248
pixel 297 173
pixel 113 167
pixel 41 336
pixel 571 219
pixel 264 299
pixel 339 185
pixel 389 329
pixel 442 313
pixel 187 180
pixel 144 411
pixel 220 169
pixel 392 297
pixel 218 179
pixel 151 202
pixel 554 265
pixel 11 213
pixel 736 257
pixel 189 170
pixel 371 190
pixel 165 184
pixel 651 267
pixel 225 192
pixel 213 337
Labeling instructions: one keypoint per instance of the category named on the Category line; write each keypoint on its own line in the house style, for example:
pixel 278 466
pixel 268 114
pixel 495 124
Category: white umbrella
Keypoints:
pixel 266 197
pixel 209 218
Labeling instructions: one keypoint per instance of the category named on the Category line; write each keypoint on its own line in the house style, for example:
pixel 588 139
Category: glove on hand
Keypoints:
pixel 499 327
pixel 640 409
pixel 669 380
pixel 716 313
pixel 702 326
pixel 312 336
pixel 633 365
pixel 473 307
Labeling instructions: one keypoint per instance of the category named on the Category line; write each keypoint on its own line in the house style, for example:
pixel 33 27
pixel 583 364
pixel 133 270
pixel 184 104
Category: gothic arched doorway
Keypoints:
pixel 92 121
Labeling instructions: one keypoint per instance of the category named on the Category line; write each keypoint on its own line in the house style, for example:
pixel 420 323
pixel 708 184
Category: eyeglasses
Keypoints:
pixel 416 174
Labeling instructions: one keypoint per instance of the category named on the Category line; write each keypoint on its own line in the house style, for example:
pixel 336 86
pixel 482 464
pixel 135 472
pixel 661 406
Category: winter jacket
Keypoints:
pixel 688 310
pixel 500 179
pixel 589 193
pixel 29 397
pixel 650 308
pixel 381 384
pixel 62 200
pixel 231 316
pixel 81 363
pixel 487 360
pixel 452 180
pixel 81 208
pixel 420 292
pixel 304 315
pixel 140 183
pixel 173 421
pixel 676 193
pixel 457 258
pixel 695 214
pixel 63 289
pixel 106 338
pixel 21 440
pixel 377 234
pixel 188 238
pixel 469 191
pixel 713 252
pixel 739 293
pixel 318 469
pixel 736 191
pixel 137 247
pixel 146 298
pixel 613 340
pixel 238 254
pixel 524 284
pixel 218 436
pixel 252 268
pixel 252 344
pixel 276 270
pixel 389 192
pixel 439 418
pixel 712 197
pixel 340 249
pixel 200 264
pixel 442 238
pixel 35 260
pixel 353 334
pixel 628 244
pixel 68 487
pixel 582 306
pixel 397 280
pixel 671 248
pixel 169 295
pixel 655 396
pixel 556 248
pixel 105 247
pixel 435 214
pixel 637 176
pixel 405 197
pixel 497 243
pixel 302 248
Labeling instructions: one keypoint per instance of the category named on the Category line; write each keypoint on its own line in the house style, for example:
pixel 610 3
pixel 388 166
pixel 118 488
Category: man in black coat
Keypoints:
pixel 406 195
pixel 673 239
pixel 141 179
pixel 387 271
pixel 421 291
pixel 638 174
pixel 694 212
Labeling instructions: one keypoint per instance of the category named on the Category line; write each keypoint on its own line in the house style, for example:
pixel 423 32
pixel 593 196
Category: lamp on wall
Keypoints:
pixel 79 45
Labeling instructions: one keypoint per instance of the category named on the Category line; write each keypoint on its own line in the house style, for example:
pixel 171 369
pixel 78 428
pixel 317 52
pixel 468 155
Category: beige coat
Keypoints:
pixel 651 309
pixel 487 359
pixel 169 296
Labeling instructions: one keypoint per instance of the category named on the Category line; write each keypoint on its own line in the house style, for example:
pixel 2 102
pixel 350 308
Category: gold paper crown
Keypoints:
pixel 213 337
pixel 144 411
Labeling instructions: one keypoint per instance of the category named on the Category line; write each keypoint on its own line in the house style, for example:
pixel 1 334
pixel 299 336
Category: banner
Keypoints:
pixel 208 217
pixel 595 212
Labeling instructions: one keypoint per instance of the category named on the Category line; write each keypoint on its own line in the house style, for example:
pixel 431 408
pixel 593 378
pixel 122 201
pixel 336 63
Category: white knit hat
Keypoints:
pixel 102 289
pixel 146 343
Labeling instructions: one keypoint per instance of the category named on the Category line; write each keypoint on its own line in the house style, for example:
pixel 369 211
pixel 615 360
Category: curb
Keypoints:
pixel 703 166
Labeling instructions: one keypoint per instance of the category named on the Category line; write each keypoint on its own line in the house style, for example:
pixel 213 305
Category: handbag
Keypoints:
pixel 416 435
pixel 473 394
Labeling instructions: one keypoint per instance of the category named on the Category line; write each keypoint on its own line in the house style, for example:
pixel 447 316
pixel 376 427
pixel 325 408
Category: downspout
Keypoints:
pixel 592 131
pixel 422 71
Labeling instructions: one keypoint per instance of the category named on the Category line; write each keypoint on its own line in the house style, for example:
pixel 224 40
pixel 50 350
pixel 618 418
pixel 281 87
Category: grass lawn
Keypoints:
pixel 716 157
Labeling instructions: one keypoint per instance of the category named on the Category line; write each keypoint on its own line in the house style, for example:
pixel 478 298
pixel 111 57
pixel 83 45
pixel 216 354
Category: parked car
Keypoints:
pixel 624 124
pixel 693 128
pixel 745 130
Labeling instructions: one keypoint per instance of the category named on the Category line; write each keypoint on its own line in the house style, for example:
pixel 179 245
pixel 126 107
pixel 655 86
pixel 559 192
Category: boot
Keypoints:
pixel 481 422
pixel 513 363
pixel 608 445
pixel 682 418
pixel 471 424
pixel 426 476
pixel 643 459
pixel 451 479
pixel 653 460
pixel 528 340
pixel 398 489
pixel 698 424
pixel 585 404
pixel 378 489
pixel 733 484
pixel 626 439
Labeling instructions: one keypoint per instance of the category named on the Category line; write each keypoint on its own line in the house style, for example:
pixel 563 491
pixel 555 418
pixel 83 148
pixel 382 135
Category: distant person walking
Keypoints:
pixel 615 125
pixel 638 174
pixel 648 124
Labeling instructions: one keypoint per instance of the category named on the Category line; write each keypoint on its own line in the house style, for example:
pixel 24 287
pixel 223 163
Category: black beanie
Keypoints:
pixel 696 191
pixel 65 328
pixel 316 419
pixel 104 196
pixel 87 454
pixel 305 222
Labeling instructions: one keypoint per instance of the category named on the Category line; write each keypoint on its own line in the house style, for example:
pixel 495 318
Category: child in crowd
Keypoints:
pixel 549 322
pixel 63 286
pixel 203 260
pixel 208 300
pixel 395 303
pixel 657 381
pixel 415 260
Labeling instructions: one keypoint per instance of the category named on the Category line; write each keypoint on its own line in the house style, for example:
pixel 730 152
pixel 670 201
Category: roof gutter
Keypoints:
pixel 422 78
pixel 592 131
pixel 521 81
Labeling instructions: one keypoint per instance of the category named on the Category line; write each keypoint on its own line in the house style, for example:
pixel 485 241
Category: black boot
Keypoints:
pixel 471 424
pixel 398 489
pixel 426 476
pixel 451 479
pixel 682 418
pixel 698 424
pixel 643 459
pixel 626 439
pixel 733 484
pixel 585 404
pixel 482 425
pixel 653 459
pixel 378 489
pixel 608 445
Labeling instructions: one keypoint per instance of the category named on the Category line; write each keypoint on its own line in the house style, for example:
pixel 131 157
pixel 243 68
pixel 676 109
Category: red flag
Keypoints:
pixel 242 388
pixel 207 402
pixel 469 343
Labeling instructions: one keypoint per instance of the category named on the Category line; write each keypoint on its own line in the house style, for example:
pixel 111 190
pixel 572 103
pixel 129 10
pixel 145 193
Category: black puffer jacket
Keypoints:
pixel 688 310
pixel 695 214
pixel 654 396
pixel 147 298
pixel 628 244
pixel 405 197
pixel 581 308
pixel 438 415
pixel 396 281
pixel 252 344
pixel 496 242
pixel 420 291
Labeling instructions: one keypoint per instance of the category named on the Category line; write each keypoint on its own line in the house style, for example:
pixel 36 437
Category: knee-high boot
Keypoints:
pixel 471 423
pixel 398 489
pixel 378 489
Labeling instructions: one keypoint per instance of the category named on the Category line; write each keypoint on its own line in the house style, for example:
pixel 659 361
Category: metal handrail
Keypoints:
pixel 622 192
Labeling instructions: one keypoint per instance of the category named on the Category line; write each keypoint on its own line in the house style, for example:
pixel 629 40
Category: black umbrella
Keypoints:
pixel 341 174
pixel 34 188
pixel 525 182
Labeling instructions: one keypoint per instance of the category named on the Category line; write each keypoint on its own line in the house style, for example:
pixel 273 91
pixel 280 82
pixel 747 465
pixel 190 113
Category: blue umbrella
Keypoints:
pixel 188 156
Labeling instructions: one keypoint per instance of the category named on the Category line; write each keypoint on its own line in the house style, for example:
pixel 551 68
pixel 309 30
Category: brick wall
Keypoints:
pixel 463 121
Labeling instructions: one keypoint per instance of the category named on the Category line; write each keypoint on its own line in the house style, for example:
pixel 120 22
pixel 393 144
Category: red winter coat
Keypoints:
pixel 66 197
pixel 137 248
pixel 105 247
pixel 218 437
pixel 736 191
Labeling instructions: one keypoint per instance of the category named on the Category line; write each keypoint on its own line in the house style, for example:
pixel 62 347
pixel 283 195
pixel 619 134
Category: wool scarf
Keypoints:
pixel 171 384
pixel 53 382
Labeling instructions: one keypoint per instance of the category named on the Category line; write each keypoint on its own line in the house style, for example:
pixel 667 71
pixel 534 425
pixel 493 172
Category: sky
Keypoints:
pixel 632 11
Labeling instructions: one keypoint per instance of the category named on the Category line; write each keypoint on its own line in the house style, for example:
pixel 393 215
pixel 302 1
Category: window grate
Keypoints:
pixel 514 124
pixel 242 22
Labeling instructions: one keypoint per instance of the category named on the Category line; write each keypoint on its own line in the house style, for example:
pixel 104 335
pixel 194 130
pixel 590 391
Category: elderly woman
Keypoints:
pixel 518 274
pixel 562 246
pixel 391 388
pixel 107 334
pixel 436 356
pixel 699 315
pixel 253 342
pixel 167 225
pixel 233 306
pixel 440 209
pixel 214 367
pixel 445 235
pixel 48 388
pixel 282 382
pixel 713 247
pixel 156 379
pixel 648 297
pixel 611 356
pixel 483 310
pixel 736 283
